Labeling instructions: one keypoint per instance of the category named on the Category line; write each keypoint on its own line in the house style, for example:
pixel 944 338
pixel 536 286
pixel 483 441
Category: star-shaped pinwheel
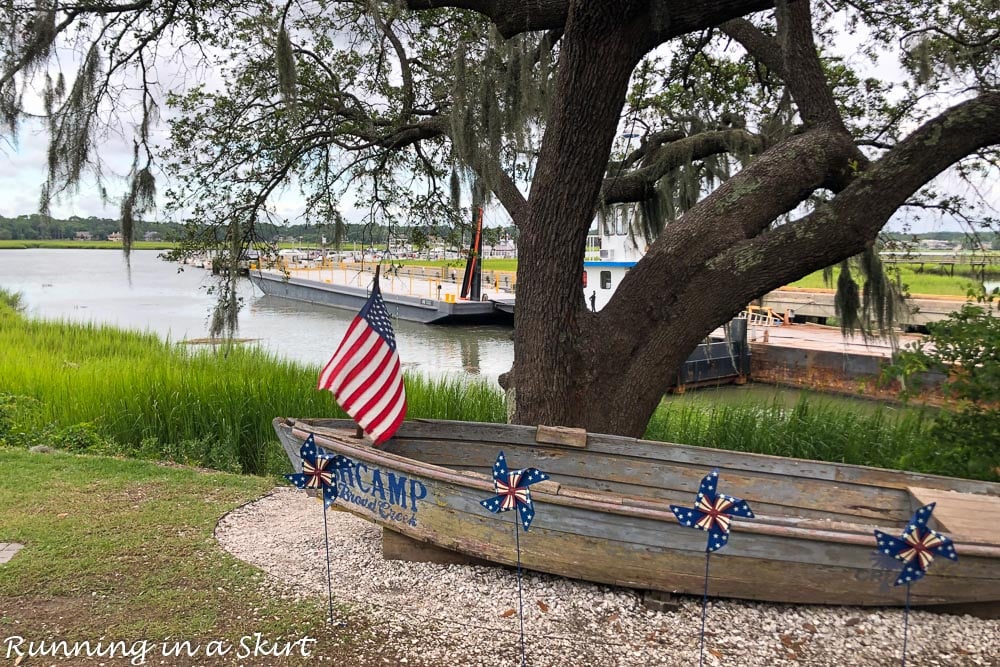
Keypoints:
pixel 318 470
pixel 916 547
pixel 711 512
pixel 512 490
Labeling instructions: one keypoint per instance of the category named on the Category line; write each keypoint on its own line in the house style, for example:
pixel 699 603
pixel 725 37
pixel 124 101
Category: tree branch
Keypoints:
pixel 404 62
pixel 850 221
pixel 739 209
pixel 764 48
pixel 505 189
pixel 639 184
pixel 511 17
pixel 762 262
pixel 673 17
pixel 411 134
pixel 649 145
pixel 803 69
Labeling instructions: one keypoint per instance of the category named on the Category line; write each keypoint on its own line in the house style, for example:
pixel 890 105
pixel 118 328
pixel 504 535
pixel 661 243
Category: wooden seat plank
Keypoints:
pixel 964 517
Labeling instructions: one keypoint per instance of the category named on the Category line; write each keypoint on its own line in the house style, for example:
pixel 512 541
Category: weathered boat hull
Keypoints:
pixel 605 516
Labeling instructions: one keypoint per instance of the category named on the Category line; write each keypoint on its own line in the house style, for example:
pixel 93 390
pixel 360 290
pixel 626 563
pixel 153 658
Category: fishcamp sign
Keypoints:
pixel 385 494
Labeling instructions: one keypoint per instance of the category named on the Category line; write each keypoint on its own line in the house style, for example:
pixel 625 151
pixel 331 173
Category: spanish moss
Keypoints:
pixel 284 59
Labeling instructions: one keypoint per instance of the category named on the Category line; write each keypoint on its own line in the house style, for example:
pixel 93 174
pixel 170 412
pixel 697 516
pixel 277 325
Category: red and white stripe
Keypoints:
pixel 365 376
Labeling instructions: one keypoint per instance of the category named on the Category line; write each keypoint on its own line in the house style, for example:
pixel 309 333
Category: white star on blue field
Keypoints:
pixel 712 512
pixel 916 547
pixel 513 486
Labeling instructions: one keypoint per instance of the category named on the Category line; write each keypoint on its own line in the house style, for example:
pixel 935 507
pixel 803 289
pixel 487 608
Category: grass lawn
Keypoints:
pixel 119 549
pixel 916 281
pixel 488 264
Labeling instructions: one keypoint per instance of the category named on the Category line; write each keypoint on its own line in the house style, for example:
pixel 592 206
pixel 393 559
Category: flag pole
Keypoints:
pixel 711 513
pixel 512 492
pixel 359 432
pixel 319 472
pixel 906 622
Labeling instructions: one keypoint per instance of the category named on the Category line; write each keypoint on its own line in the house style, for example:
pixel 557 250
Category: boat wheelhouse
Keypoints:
pixel 613 249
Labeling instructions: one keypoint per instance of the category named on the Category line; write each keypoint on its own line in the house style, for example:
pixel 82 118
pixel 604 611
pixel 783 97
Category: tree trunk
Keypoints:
pixel 607 371
pixel 553 352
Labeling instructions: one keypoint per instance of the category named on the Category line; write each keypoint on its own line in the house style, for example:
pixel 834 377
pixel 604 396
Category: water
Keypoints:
pixel 93 285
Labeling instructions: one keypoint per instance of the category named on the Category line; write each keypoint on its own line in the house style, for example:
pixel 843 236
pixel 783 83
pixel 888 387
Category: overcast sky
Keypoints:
pixel 22 166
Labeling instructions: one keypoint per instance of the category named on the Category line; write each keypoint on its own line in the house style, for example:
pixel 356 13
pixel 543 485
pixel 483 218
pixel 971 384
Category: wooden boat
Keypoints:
pixel 604 515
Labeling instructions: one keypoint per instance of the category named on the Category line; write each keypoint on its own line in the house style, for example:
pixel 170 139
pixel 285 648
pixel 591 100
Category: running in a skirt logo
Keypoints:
pixel 248 647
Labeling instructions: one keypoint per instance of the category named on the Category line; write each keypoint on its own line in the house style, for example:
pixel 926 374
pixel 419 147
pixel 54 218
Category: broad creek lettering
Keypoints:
pixel 388 495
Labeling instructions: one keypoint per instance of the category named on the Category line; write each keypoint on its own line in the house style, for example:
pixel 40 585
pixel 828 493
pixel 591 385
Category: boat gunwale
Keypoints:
pixel 787 527
pixel 908 478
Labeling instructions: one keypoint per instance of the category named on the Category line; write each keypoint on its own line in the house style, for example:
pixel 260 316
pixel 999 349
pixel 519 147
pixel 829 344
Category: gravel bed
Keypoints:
pixel 466 615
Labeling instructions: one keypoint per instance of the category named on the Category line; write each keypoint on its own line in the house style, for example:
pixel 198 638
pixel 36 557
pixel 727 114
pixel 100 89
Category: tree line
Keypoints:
pixel 36 227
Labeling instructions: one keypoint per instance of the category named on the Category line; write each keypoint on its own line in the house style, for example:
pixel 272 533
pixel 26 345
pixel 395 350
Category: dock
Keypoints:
pixel 820 338
pixel 819 304
pixel 411 293
pixel 823 358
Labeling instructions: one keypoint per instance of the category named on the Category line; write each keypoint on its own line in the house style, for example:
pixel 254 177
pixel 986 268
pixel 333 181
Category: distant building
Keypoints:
pixel 151 236
pixel 115 236
pixel 936 244
pixel 504 248
pixel 82 236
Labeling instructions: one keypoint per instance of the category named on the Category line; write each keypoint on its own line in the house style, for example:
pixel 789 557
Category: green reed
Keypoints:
pixel 882 436
pixel 139 395
pixel 95 387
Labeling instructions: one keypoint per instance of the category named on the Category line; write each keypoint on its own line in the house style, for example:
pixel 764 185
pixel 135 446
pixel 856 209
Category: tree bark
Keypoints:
pixel 552 326
pixel 639 184
pixel 666 19
pixel 672 299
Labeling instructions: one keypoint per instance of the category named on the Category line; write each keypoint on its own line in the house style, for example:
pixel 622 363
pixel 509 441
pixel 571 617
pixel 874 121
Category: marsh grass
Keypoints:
pixel 13 300
pixel 454 398
pixel 930 279
pixel 810 429
pixel 89 387
pixel 93 388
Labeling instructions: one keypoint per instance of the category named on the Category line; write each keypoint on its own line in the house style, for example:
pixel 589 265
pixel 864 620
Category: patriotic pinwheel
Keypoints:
pixel 917 546
pixel 512 490
pixel 319 471
pixel 711 512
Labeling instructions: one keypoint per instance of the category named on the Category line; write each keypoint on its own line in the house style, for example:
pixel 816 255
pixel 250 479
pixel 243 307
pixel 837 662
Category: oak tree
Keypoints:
pixel 751 141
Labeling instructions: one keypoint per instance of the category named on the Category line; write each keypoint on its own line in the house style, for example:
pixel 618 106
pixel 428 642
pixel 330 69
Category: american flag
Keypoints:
pixel 364 373
pixel 512 490
pixel 917 546
pixel 712 512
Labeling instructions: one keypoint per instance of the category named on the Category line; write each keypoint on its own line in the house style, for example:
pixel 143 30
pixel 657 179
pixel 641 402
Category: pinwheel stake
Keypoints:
pixel 512 491
pixel 916 548
pixel 711 512
pixel 319 472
